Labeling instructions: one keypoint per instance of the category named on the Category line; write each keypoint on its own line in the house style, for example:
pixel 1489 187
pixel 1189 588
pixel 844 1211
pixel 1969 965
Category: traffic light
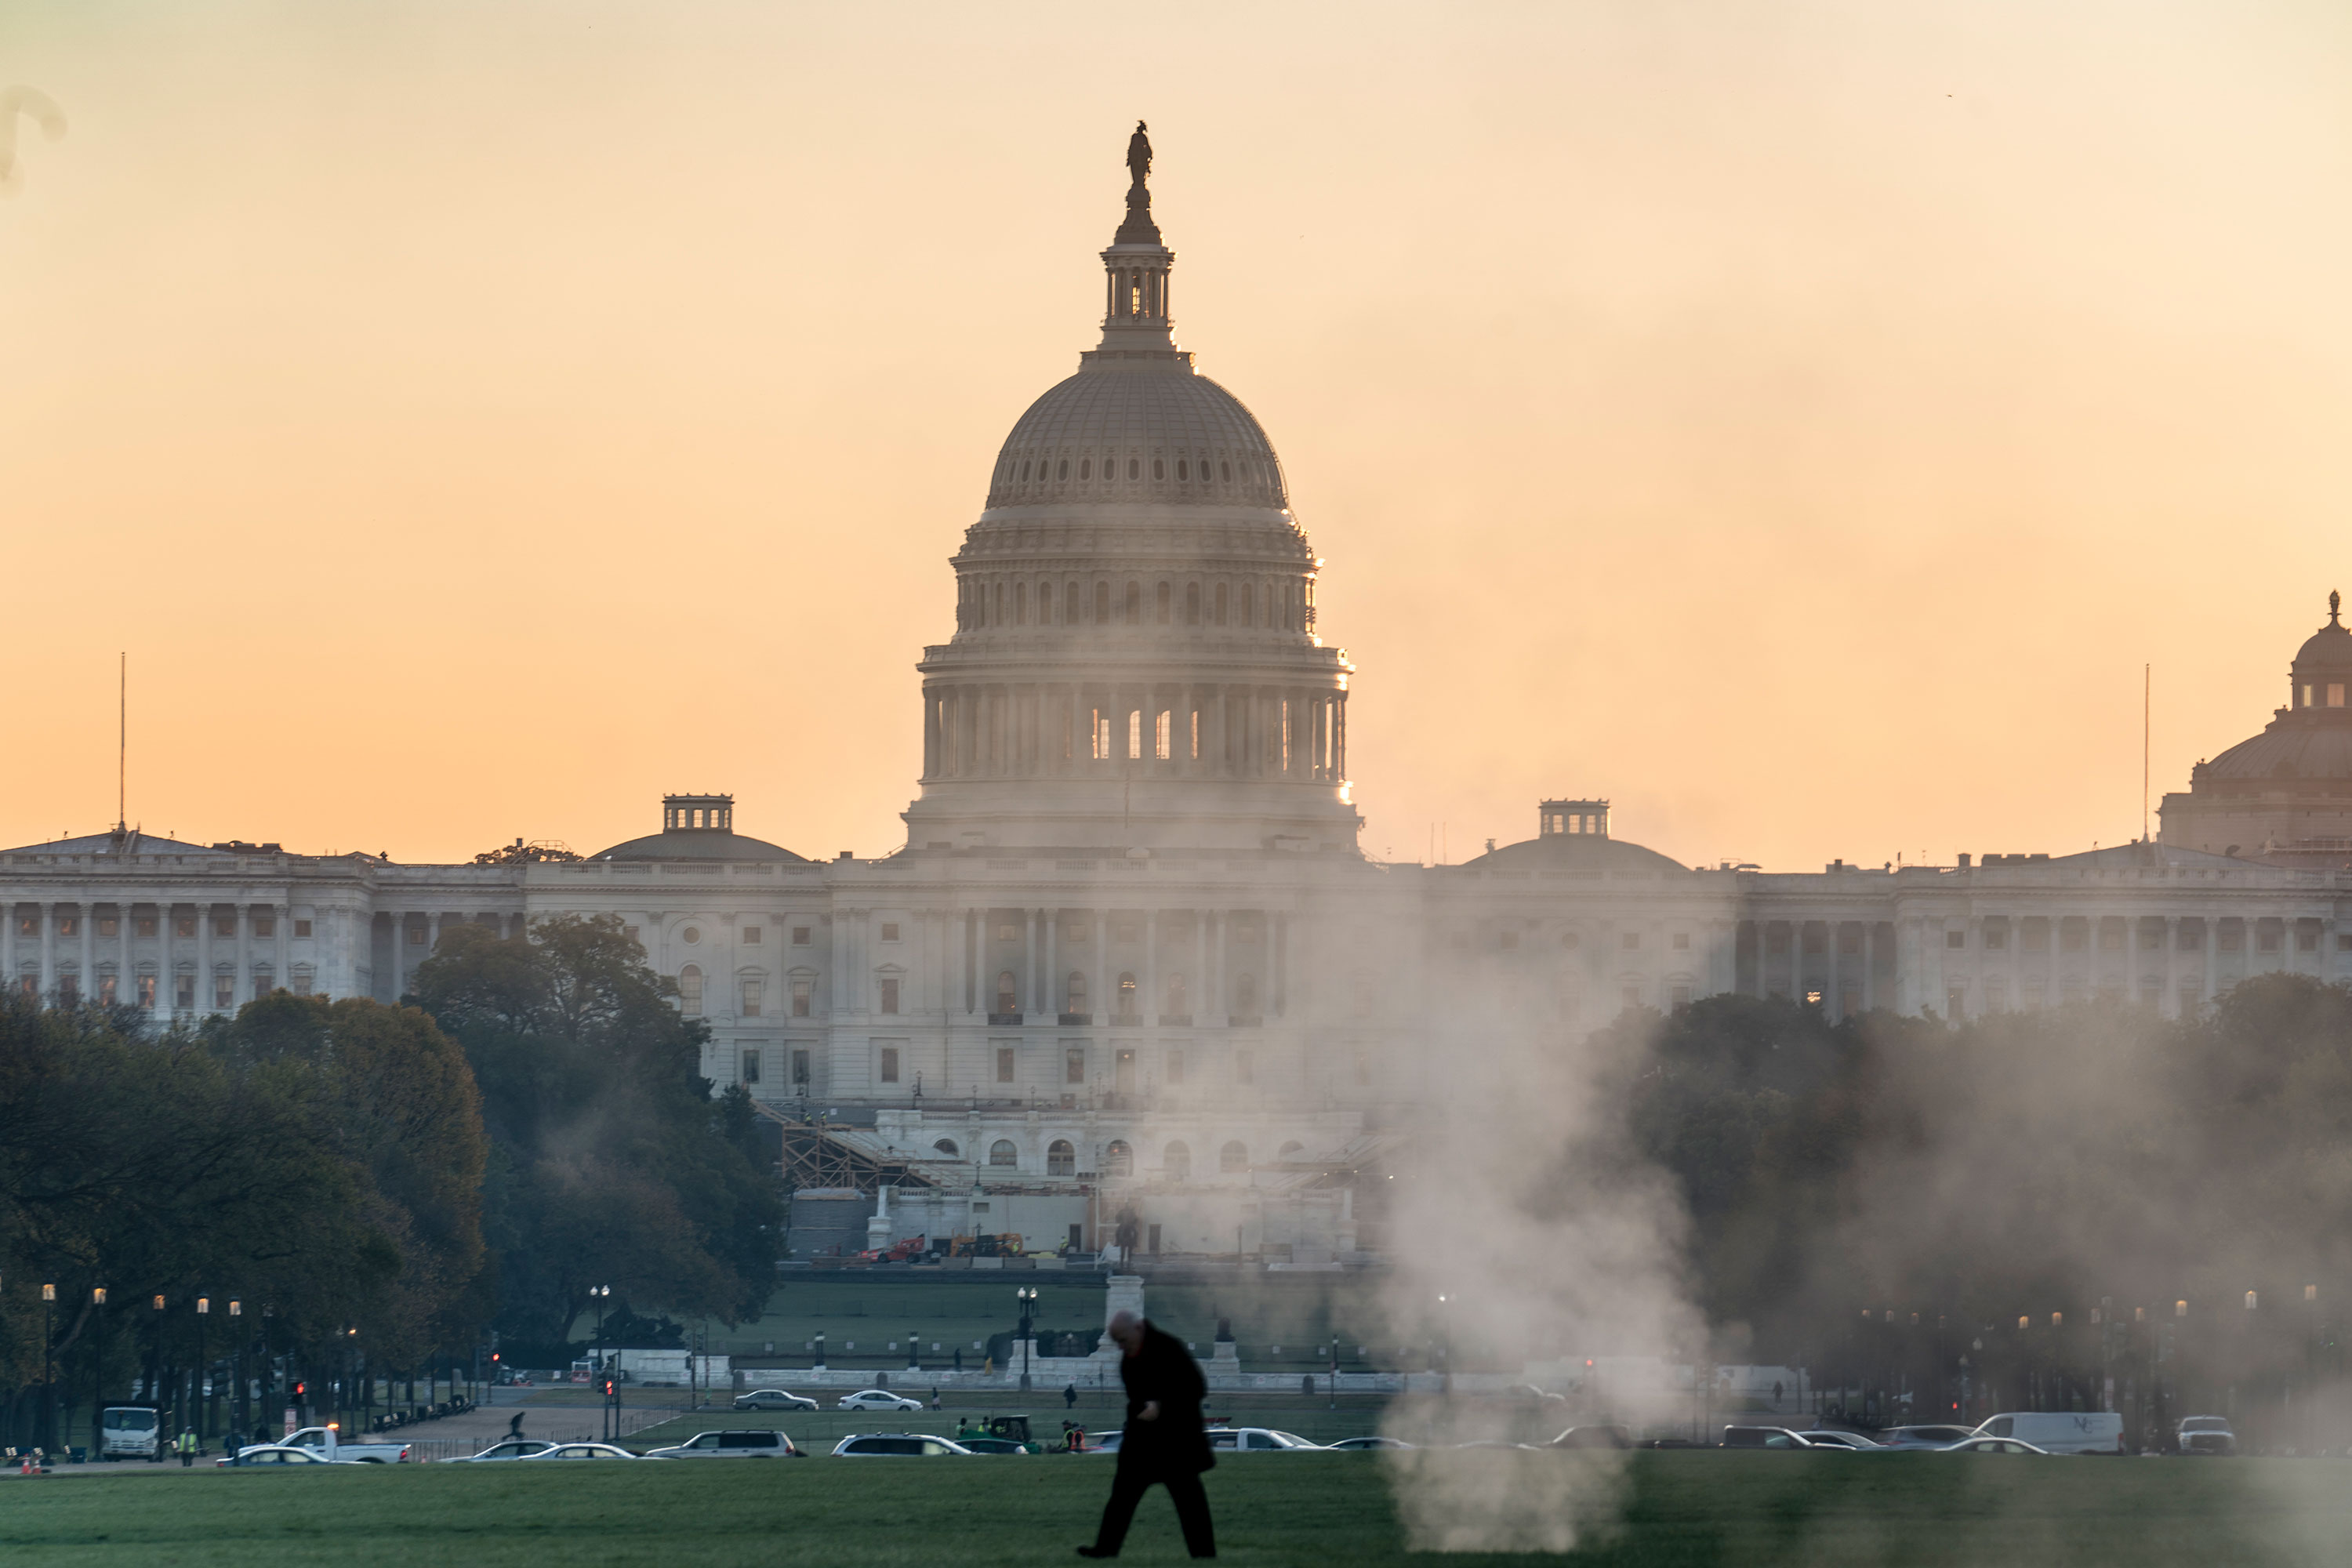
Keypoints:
pixel 299 1387
pixel 608 1388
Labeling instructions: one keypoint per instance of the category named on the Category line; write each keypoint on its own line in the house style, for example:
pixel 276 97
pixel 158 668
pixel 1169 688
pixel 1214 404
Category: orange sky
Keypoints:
pixel 1798 422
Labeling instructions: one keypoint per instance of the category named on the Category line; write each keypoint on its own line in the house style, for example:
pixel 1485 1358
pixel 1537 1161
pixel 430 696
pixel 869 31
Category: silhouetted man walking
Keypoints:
pixel 1162 1441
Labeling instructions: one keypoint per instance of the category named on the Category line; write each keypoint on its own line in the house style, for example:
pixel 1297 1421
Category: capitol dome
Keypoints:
pixel 1135 664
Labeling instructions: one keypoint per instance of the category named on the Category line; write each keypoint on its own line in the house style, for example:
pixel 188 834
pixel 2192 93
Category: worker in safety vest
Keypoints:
pixel 187 1443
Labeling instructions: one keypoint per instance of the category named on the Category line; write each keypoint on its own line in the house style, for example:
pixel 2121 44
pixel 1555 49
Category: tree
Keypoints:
pixel 612 1162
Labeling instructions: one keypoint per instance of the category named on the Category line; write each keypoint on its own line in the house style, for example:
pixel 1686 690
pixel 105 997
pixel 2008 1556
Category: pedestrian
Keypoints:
pixel 514 1426
pixel 1070 1397
pixel 935 1396
pixel 1163 1441
pixel 187 1447
pixel 959 1361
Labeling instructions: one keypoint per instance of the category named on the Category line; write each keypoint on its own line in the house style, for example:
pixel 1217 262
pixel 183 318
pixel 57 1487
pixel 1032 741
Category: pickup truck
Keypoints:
pixel 328 1440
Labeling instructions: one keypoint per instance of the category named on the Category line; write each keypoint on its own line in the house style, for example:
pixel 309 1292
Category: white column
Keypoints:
pixel 49 952
pixel 1055 999
pixel 8 944
pixel 205 956
pixel 90 952
pixel 1104 998
pixel 1195 994
pixel 1151 1000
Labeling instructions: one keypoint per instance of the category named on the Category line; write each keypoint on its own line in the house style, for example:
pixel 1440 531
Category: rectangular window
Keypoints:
pixel 2344 941
pixel 800 1070
pixel 144 925
pixel 68 990
pixel 2111 936
pixel 1005 1064
pixel 106 990
pixel 804 990
pixel 183 925
pixel 302 985
pixel 889 1064
pixel 889 930
pixel 264 925
pixel 1073 1065
pixel 630 931
pixel 68 925
pixel 889 995
pixel 2072 937
pixel 751 1066
pixel 2306 941
pixel 263 984
pixel 1956 939
pixel 1682 995
pixel 302 928
pixel 416 935
pixel 751 936
pixel 1175 1068
pixel 183 992
pixel 1682 942
pixel 147 993
pixel 2266 939
pixel 1629 996
pixel 2233 936
pixel 1007 931
pixel 226 925
pixel 107 925
pixel 1996 936
pixel 1955 1003
pixel 223 991
pixel 29 925
pixel 800 936
pixel 750 998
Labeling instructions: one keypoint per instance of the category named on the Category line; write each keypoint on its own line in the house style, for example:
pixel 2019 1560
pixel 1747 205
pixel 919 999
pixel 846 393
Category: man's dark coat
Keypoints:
pixel 1174 1443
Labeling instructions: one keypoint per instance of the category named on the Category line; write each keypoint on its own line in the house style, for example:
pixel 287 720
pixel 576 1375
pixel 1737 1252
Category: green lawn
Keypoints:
pixel 1681 1509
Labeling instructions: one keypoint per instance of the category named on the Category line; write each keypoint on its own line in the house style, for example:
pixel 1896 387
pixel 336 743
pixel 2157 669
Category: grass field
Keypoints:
pixel 1682 1509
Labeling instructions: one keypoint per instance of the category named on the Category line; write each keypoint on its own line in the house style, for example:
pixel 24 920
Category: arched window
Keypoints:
pixel 947 1146
pixel 689 990
pixel 1290 1150
pixel 1192 604
pixel 1225 472
pixel 1159 469
pixel 1180 472
pixel 1245 995
pixel 1102 604
pixel 1061 1159
pixel 1021 604
pixel 1086 467
pixel 1234 1156
pixel 1178 1159
pixel 1044 603
pixel 1074 608
pixel 1118 1160
pixel 1126 995
pixel 1135 604
pixel 1008 996
pixel 1024 473
pixel 1178 997
pixel 1076 992
pixel 1221 604
pixel 1002 1156
pixel 1134 469
pixel 1249 599
pixel 1062 470
pixel 1159 600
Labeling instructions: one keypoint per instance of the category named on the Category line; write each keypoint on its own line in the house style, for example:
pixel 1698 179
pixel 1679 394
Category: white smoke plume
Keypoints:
pixel 1522 1219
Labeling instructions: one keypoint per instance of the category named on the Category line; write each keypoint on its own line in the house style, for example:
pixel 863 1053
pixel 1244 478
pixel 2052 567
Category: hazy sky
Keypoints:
pixel 1798 422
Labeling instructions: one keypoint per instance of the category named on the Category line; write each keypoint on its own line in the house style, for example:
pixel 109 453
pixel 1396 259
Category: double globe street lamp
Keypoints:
pixel 1026 1295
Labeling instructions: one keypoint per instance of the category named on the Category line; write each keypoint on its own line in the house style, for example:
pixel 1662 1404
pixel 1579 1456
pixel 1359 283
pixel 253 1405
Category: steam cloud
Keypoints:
pixel 36 106
pixel 1523 1217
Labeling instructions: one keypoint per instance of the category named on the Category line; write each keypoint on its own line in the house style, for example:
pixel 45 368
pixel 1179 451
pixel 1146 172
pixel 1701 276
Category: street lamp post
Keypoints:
pixel 97 1375
pixel 48 1418
pixel 237 1403
pixel 1026 1295
pixel 204 1371
pixel 600 1294
pixel 155 1372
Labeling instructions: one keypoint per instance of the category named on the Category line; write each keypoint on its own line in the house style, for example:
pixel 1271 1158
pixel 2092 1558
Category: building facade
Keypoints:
pixel 1131 962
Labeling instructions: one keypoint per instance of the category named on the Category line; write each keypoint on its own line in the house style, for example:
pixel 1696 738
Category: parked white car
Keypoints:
pixel 876 1399
pixel 281 1454
pixel 1259 1440
pixel 765 1444
pixel 584 1451
pixel 2206 1434
pixel 897 1446
pixel 773 1399
pixel 513 1448
pixel 2060 1431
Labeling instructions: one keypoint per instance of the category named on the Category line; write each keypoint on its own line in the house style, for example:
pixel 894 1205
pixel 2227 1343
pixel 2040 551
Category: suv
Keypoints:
pixel 730 1445
pixel 772 1399
pixel 2207 1435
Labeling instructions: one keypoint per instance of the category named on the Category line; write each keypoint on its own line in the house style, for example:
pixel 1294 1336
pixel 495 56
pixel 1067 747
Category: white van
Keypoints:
pixel 2061 1431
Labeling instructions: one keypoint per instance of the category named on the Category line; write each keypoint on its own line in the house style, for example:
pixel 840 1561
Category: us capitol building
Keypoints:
pixel 1131 964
